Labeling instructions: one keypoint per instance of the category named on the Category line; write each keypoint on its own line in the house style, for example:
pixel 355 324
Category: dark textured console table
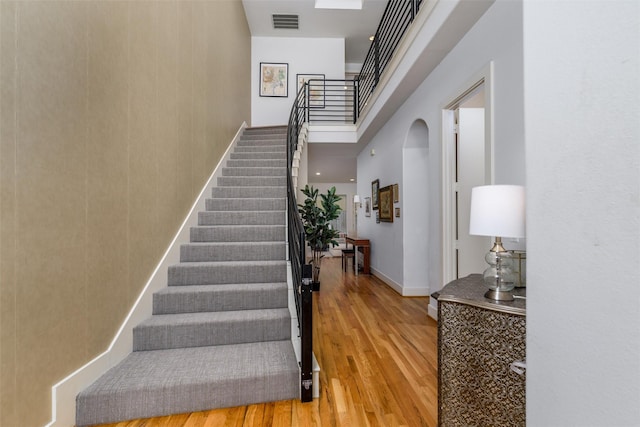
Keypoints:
pixel 478 339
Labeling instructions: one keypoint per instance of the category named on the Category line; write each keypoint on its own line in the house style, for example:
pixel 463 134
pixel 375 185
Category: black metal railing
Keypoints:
pixel 300 270
pixel 329 101
pixel 397 17
pixel 333 101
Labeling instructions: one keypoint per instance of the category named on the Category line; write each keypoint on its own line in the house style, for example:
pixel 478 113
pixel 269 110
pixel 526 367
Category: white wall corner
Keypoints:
pixel 63 394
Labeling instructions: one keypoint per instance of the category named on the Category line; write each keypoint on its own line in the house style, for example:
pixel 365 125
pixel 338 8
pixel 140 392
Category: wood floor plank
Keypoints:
pixel 378 358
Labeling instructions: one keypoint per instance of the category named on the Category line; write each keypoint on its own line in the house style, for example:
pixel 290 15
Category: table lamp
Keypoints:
pixel 498 211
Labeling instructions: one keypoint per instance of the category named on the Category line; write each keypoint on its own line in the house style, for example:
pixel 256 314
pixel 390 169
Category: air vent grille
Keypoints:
pixel 288 22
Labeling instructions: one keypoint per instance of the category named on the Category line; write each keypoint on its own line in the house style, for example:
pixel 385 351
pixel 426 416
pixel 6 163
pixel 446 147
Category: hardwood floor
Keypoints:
pixel 378 359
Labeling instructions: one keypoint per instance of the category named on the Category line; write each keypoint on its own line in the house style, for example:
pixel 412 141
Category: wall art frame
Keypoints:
pixel 375 187
pixel 274 79
pixel 386 203
pixel 316 88
pixel 367 206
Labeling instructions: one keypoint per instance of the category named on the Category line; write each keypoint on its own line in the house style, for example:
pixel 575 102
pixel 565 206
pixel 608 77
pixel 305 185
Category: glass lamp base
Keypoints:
pixel 498 295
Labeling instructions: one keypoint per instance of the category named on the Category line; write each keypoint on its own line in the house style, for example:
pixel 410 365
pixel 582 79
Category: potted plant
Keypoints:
pixel 317 225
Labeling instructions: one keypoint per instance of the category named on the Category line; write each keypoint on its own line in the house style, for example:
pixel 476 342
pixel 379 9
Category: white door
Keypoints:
pixel 470 172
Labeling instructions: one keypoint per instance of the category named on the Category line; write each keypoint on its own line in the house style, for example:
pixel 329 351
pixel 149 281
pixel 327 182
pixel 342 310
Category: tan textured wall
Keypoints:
pixel 112 116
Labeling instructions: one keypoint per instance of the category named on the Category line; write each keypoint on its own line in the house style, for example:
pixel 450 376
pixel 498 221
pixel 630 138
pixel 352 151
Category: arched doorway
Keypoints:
pixel 414 201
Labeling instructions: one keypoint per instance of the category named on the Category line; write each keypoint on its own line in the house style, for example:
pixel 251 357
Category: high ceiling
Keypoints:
pixel 355 26
pixel 336 163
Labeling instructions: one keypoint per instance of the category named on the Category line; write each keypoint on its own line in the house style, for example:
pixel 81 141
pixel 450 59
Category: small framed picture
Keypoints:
pixel 274 79
pixel 377 217
pixel 386 203
pixel 316 84
pixel 367 206
pixel 375 187
pixel 397 212
pixel 396 194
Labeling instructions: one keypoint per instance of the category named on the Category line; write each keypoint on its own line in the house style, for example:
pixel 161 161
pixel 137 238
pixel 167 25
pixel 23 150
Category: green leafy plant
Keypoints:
pixel 317 223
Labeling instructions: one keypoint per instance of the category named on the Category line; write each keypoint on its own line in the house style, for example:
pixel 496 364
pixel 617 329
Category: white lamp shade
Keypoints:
pixel 498 210
pixel 356 199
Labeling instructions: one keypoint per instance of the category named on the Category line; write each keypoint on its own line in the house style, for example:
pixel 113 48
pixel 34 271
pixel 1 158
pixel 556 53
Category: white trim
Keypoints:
pixel 433 311
pixel 486 76
pixel 63 394
pixel 387 280
pixel 399 288
pixel 415 292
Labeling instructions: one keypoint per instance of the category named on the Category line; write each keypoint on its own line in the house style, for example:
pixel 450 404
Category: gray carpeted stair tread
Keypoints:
pixel 254 171
pixel 237 233
pixel 249 218
pixel 257 163
pixel 261 148
pixel 261 143
pixel 163 382
pixel 252 181
pixel 268 128
pixel 204 273
pixel 236 296
pixel 229 251
pixel 249 192
pixel 246 204
pixel 259 155
pixel 160 332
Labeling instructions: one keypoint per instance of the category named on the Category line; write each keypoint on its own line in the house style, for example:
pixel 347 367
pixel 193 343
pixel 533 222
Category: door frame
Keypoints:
pixel 483 76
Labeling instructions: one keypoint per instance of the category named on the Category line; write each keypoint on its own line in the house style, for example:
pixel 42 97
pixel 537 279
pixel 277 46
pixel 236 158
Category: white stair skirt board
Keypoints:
pixel 63 394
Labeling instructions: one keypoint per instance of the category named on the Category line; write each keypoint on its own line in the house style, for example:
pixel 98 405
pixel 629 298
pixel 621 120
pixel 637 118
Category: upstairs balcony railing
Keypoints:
pixel 330 101
pixel 396 19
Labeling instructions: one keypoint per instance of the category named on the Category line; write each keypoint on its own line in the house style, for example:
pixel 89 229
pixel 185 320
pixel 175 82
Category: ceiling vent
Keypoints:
pixel 285 22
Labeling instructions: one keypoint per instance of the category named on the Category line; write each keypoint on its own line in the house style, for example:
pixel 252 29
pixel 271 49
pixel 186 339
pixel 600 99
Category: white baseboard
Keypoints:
pixel 415 292
pixel 432 310
pixel 399 288
pixel 63 394
pixel 387 280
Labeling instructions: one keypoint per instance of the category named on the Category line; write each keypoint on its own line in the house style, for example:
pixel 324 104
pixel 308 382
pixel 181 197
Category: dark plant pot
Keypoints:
pixel 315 286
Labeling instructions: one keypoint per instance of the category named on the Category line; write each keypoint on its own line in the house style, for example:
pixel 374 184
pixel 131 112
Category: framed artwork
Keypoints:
pixel 316 88
pixel 396 194
pixel 397 212
pixel 375 186
pixel 274 79
pixel 367 206
pixel 377 217
pixel 386 203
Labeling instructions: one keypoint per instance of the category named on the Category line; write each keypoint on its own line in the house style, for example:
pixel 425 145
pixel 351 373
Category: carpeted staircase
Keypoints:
pixel 220 334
